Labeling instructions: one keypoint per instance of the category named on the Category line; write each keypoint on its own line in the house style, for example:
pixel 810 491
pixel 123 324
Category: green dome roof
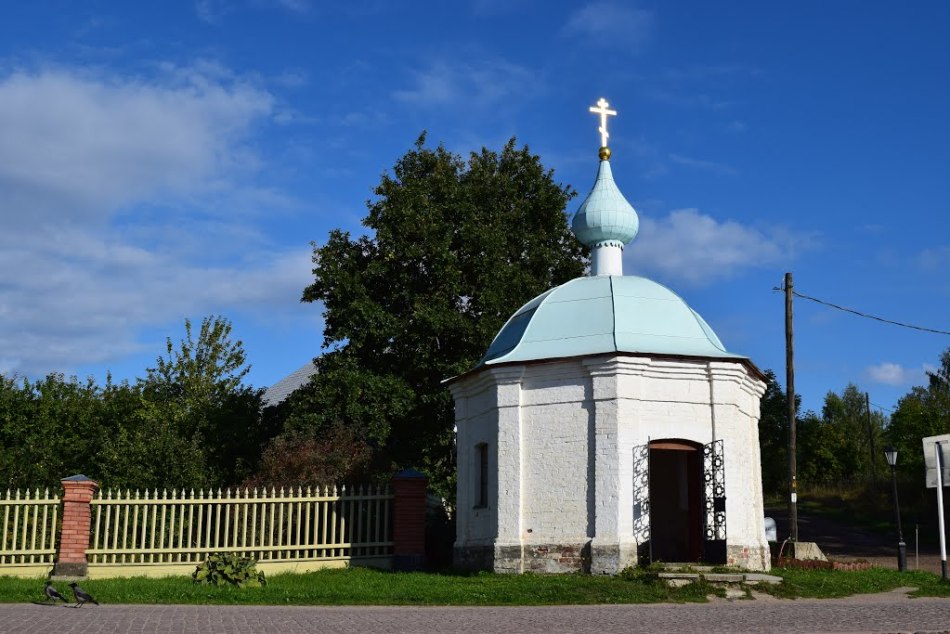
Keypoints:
pixel 604 314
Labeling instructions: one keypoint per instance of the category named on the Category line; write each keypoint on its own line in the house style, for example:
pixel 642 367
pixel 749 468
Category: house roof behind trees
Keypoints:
pixel 278 392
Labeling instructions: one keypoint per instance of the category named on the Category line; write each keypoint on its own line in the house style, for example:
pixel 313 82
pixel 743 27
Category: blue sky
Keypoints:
pixel 174 159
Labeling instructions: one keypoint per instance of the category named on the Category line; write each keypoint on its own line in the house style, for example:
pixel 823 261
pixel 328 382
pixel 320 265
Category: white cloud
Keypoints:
pixel 934 258
pixel 477 85
pixel 897 375
pixel 292 78
pixel 694 248
pixel 611 24
pixel 128 203
pixel 95 144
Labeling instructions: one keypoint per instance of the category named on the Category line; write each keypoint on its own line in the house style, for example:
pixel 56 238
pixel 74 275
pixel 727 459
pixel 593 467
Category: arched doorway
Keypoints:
pixel 676 500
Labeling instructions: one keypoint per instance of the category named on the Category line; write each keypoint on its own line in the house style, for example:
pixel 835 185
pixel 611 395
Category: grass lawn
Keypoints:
pixel 829 584
pixel 363 586
pixel 360 586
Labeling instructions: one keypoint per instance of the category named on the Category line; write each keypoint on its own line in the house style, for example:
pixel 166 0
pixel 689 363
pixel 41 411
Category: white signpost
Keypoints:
pixel 937 459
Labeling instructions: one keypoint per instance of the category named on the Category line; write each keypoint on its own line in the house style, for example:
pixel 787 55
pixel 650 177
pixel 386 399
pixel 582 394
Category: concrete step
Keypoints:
pixel 719 578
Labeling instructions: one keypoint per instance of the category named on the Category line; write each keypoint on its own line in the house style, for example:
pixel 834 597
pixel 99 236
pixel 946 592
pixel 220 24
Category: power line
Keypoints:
pixel 865 315
pixel 882 407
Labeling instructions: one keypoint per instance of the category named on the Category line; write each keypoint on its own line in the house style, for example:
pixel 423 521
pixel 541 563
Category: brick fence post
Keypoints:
pixel 409 520
pixel 77 518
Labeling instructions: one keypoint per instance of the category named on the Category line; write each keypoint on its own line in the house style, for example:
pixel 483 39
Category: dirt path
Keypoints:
pixel 846 542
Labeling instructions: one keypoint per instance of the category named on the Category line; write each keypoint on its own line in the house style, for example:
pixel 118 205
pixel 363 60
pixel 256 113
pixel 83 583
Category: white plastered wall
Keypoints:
pixel 561 437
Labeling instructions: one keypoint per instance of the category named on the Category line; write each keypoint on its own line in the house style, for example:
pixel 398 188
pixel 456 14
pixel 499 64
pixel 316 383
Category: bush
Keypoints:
pixel 299 459
pixel 803 564
pixel 221 569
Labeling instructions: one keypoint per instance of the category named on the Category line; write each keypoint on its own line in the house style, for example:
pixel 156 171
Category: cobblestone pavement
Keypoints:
pixel 887 612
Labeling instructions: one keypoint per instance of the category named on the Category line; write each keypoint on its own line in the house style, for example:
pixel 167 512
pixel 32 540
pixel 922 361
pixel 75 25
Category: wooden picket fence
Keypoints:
pixel 28 541
pixel 124 533
pixel 155 534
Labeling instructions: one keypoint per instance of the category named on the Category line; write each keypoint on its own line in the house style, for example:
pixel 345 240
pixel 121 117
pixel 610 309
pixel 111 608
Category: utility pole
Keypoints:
pixel 867 403
pixel 790 397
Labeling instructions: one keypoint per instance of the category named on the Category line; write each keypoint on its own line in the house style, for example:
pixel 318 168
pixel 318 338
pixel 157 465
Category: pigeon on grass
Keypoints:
pixel 82 597
pixel 53 594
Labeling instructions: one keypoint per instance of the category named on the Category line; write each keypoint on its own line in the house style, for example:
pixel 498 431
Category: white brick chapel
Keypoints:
pixel 607 426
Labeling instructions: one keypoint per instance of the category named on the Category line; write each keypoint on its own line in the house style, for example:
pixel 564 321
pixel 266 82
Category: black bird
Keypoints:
pixel 82 597
pixel 53 594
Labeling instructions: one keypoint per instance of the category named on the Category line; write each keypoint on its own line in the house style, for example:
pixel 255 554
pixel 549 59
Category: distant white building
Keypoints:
pixel 607 425
pixel 281 391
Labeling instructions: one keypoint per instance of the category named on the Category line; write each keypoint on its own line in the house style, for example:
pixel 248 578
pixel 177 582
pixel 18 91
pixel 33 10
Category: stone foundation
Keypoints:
pixel 581 557
pixel 557 557
pixel 609 559
pixel 516 559
pixel 749 558
pixel 66 570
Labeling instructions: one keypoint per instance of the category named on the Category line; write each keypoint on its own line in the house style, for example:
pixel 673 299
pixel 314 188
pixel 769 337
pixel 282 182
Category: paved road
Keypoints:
pixel 845 542
pixel 888 612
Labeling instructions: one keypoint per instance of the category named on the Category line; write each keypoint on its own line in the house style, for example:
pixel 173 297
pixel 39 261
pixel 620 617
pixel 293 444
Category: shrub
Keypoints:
pixel 221 569
pixel 803 564
pixel 299 459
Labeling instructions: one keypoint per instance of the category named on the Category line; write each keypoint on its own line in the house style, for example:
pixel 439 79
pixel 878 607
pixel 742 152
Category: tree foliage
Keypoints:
pixel 773 436
pixel 49 429
pixel 189 422
pixel 922 412
pixel 199 392
pixel 833 447
pixel 454 248
pixel 297 459
pixel 845 444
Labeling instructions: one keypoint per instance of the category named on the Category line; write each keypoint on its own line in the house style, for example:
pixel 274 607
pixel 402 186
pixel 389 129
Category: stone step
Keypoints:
pixel 749 578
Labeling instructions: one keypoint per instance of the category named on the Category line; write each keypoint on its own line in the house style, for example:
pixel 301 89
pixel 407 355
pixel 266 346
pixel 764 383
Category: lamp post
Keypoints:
pixel 890 453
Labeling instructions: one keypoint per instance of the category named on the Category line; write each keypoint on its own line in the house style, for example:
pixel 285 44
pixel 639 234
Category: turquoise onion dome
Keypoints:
pixel 605 218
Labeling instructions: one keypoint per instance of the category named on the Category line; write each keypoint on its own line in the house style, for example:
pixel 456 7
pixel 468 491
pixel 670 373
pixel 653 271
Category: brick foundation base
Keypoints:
pixel 580 557
pixel 541 558
pixel 756 558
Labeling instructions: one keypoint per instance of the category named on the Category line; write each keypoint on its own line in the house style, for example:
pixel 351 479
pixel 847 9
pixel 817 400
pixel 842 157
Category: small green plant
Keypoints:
pixel 643 574
pixel 222 569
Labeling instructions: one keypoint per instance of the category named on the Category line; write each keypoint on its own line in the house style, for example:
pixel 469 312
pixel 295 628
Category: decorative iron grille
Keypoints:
pixel 714 479
pixel 641 493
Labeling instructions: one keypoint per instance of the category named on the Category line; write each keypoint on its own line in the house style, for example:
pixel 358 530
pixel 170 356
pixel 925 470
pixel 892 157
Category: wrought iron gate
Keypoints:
pixel 641 502
pixel 714 503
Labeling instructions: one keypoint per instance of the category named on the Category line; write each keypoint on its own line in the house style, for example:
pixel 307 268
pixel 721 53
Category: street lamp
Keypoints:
pixel 890 453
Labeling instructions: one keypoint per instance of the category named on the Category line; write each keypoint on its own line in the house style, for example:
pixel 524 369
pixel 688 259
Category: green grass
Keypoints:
pixel 360 586
pixel 830 584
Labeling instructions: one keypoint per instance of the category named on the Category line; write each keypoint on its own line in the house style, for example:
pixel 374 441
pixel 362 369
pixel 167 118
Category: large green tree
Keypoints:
pixel 841 445
pixel 453 248
pixel 196 391
pixel 773 436
pixel 922 412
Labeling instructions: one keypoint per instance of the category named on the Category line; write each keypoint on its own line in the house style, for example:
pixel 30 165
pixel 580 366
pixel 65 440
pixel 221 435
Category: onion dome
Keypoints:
pixel 605 218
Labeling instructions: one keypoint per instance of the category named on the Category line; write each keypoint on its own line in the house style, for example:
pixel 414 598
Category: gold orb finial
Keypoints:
pixel 604 153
